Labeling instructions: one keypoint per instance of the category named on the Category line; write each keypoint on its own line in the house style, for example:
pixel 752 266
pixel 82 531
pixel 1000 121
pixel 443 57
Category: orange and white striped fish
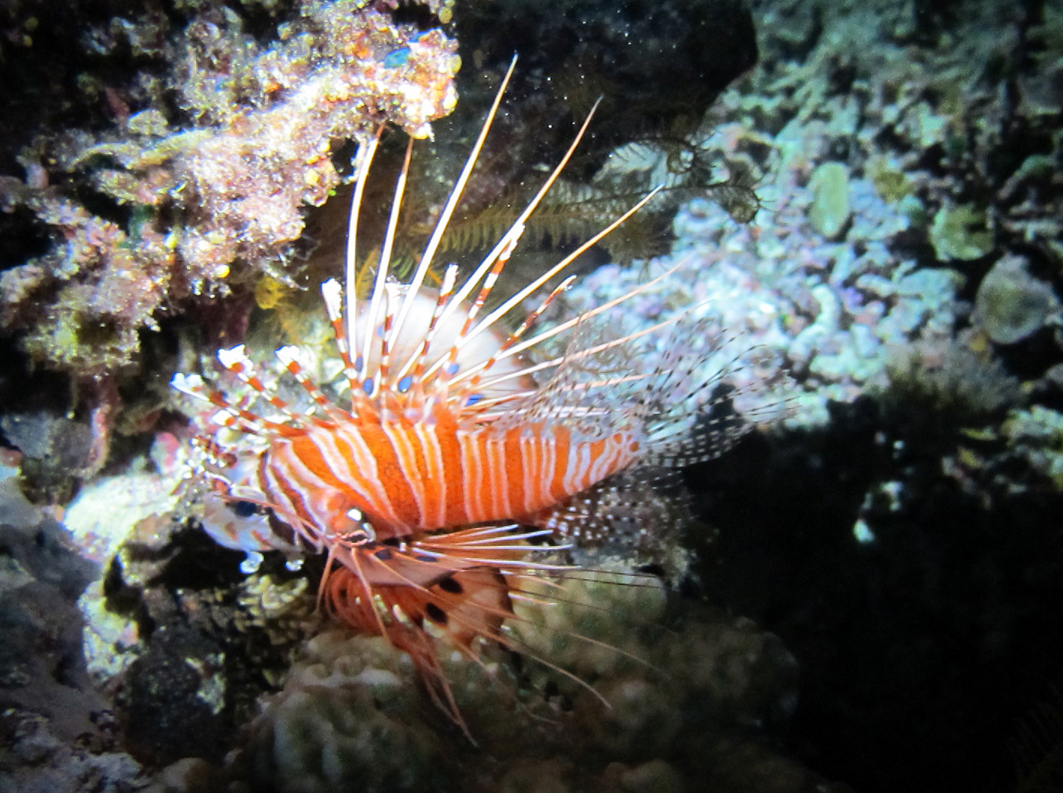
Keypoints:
pixel 456 450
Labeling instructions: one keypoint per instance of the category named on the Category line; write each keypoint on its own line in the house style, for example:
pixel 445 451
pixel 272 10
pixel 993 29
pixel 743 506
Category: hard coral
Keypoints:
pixel 349 713
pixel 214 151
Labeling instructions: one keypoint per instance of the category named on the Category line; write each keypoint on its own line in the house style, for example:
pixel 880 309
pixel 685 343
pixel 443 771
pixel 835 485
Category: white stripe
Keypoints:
pixel 433 453
pixel 277 495
pixel 548 442
pixel 471 474
pixel 578 461
pixel 406 454
pixel 600 467
pixel 499 481
pixel 529 450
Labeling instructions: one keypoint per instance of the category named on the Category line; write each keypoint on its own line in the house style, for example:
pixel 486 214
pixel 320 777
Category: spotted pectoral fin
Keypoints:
pixel 639 508
pixel 458 607
pixel 468 604
pixel 709 389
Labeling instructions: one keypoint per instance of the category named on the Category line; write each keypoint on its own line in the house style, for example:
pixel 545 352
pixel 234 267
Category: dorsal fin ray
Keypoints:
pixel 380 281
pixel 364 160
pixel 538 282
pixel 495 261
pixel 448 209
pixel 491 266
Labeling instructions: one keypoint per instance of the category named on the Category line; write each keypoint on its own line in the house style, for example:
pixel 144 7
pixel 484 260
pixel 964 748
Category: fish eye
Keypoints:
pixel 245 509
pixel 362 532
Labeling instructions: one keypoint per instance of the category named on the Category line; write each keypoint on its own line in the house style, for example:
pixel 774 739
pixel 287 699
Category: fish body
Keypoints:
pixel 406 477
pixel 456 449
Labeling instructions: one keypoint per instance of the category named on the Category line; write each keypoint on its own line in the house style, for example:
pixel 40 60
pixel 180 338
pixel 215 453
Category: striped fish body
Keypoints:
pixel 422 489
pixel 401 478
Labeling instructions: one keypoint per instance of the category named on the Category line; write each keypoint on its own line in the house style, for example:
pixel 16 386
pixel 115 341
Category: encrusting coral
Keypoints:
pixel 203 186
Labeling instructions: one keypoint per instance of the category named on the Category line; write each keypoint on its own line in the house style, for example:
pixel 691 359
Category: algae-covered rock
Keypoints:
pixel 830 211
pixel 53 721
pixel 950 382
pixel 604 695
pixel 959 232
pixel 56 451
pixel 1012 305
pixel 1036 435
pixel 888 179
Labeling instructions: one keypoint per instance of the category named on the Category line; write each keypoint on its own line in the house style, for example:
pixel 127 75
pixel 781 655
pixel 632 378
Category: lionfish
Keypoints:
pixel 458 458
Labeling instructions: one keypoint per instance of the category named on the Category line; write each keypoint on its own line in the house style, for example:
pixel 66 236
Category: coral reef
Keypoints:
pixel 902 263
pixel 829 319
pixel 875 208
pixel 349 701
pixel 918 466
pixel 203 175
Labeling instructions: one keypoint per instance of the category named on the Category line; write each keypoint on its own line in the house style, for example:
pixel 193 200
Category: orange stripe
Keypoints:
pixel 482 498
pixel 391 476
pixel 434 495
pixel 409 451
pixel 310 455
pixel 563 439
pixel 359 475
pixel 531 466
pixel 450 450
pixel 513 462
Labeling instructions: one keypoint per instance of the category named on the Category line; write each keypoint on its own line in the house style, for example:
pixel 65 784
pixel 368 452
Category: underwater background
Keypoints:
pixel 867 592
